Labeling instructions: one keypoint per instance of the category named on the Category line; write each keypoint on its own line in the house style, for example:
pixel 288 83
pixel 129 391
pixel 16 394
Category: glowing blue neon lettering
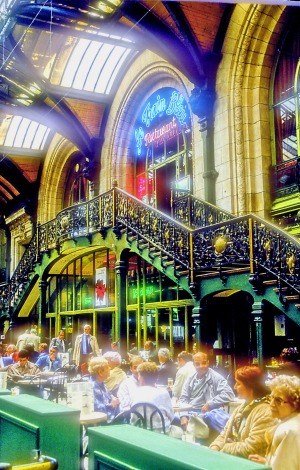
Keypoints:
pixel 139 136
pixel 150 112
pixel 175 107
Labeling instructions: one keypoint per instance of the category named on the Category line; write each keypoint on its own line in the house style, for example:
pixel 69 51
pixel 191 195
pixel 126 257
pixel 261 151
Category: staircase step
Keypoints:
pixel 154 254
pixel 182 273
pixel 271 282
pixel 283 289
pixel 142 246
pixel 291 297
pixel 168 263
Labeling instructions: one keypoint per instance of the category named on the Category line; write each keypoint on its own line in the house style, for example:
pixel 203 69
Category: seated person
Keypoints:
pixel 103 400
pixel 128 387
pixel 23 366
pixel 33 355
pixel 244 432
pixel 117 375
pixel 185 369
pixel 49 362
pixel 283 440
pixel 149 353
pixel 12 352
pixel 167 367
pixel 290 358
pixel 205 390
pixel 43 350
pixel 5 362
pixel 147 392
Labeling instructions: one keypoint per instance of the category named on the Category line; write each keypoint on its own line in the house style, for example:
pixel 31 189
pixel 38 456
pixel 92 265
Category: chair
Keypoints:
pixel 148 416
pixel 57 385
pixel 121 418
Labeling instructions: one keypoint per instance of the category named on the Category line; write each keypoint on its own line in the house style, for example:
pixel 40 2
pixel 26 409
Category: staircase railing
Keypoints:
pixel 195 213
pixel 221 248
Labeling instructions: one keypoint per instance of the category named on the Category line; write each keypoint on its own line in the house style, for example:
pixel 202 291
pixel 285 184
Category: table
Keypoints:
pixel 179 408
pixel 86 420
pixel 30 385
pixel 93 418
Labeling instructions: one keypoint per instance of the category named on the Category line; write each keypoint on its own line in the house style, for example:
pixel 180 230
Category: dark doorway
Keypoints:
pixel 165 176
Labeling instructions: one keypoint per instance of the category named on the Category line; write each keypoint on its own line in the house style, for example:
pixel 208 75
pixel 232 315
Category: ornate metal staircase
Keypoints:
pixel 198 242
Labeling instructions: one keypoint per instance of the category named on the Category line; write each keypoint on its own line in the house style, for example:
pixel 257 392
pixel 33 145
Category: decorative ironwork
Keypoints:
pixel 215 249
pixel 195 213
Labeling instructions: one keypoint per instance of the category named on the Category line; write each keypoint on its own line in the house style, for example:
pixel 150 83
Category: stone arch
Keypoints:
pixel 51 195
pixel 243 120
pixel 147 72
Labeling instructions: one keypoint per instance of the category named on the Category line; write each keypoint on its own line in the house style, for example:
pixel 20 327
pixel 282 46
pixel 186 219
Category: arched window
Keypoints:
pixel 77 184
pixel 286 115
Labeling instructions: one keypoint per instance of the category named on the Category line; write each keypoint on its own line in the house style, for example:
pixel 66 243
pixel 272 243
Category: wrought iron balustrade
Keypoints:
pixel 246 242
pixel 195 213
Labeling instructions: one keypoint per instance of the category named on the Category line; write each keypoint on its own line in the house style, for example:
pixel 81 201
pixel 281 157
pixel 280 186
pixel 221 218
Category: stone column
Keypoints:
pixel 202 104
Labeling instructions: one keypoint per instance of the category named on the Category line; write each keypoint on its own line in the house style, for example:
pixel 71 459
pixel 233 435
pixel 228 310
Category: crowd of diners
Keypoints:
pixel 264 426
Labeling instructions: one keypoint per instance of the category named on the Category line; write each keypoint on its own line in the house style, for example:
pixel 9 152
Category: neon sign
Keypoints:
pixel 150 112
pixel 157 134
pixel 161 118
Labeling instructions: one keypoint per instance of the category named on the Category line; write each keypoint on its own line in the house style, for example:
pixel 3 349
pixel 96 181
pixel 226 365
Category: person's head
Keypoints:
pixel 135 361
pixel 61 335
pixel 11 348
pixel 148 346
pixel 147 373
pixel 23 357
pixel 29 347
pixel 113 358
pixel 250 383
pixel 201 363
pixel 114 345
pixel 184 357
pixel 33 331
pixel 98 368
pixel 195 348
pixel 163 355
pixel 53 352
pixel 43 347
pixel 87 329
pixel 285 396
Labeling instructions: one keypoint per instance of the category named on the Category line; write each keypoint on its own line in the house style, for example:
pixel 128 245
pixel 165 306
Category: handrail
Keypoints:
pixel 230 244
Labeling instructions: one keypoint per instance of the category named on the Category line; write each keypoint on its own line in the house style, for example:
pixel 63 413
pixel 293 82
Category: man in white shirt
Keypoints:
pixel 128 387
pixel 186 369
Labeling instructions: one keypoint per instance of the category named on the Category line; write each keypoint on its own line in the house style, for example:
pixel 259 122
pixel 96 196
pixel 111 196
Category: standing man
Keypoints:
pixel 33 338
pixel 60 342
pixel 85 345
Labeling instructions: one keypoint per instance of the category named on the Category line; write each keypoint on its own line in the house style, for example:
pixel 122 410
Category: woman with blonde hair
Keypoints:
pixel 103 400
pixel 244 432
pixel 283 440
